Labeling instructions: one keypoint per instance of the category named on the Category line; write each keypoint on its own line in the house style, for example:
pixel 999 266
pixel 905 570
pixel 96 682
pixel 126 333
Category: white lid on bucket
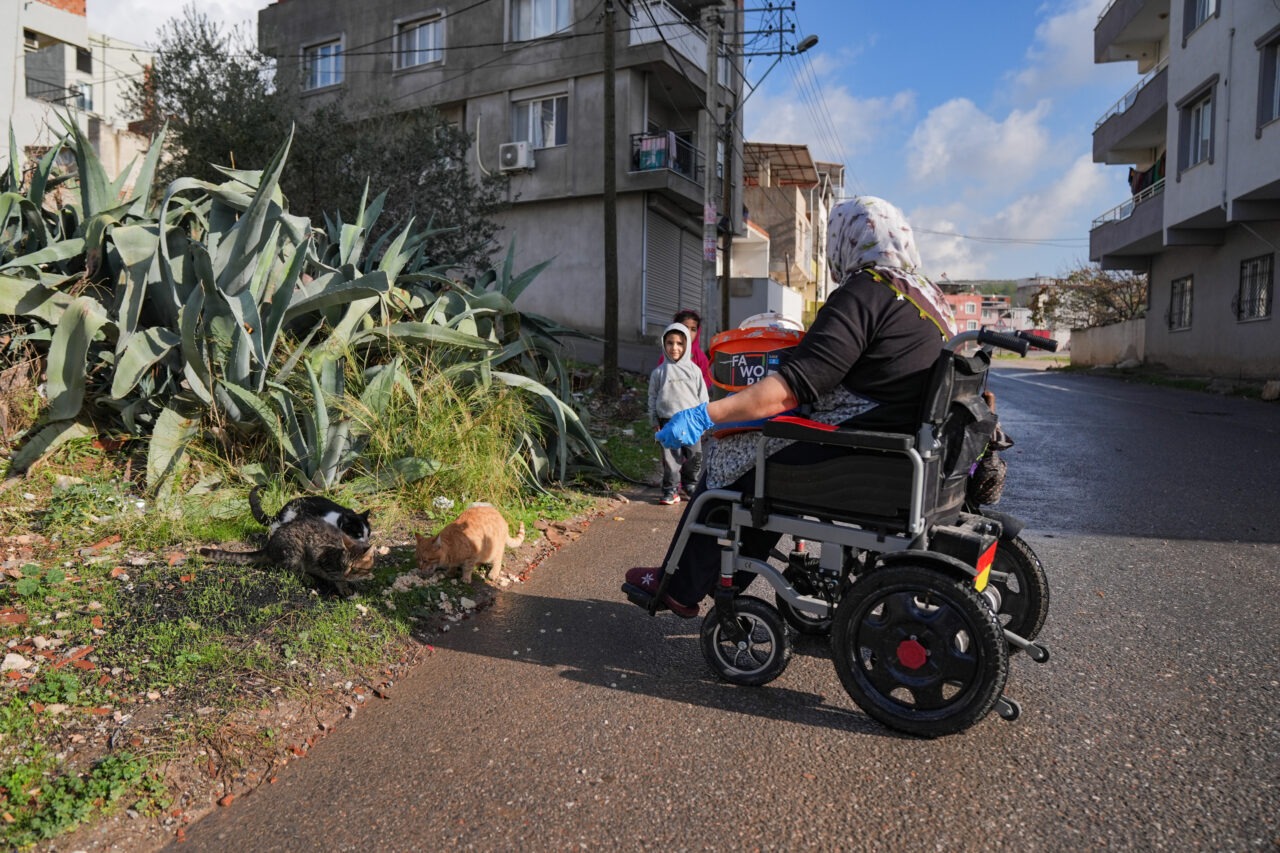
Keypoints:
pixel 771 319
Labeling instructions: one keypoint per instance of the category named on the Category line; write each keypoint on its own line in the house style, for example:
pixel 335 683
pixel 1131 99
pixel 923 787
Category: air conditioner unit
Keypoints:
pixel 513 156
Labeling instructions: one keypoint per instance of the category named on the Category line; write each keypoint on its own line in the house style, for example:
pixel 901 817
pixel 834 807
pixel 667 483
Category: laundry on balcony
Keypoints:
pixel 663 149
pixel 1141 180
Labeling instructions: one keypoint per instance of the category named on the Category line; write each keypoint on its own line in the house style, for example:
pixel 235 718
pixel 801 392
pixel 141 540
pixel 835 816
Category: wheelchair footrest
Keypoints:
pixel 640 598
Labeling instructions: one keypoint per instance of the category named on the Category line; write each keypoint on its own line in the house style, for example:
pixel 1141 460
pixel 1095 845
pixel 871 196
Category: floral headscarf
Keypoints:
pixel 868 233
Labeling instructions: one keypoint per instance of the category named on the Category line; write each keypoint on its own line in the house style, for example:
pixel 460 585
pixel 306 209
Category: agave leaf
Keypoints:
pixel 62 250
pixel 553 406
pixel 398 472
pixel 235 260
pixel 13 175
pixel 49 437
pixel 28 213
pixel 95 190
pixel 147 175
pixel 511 286
pixel 243 302
pixel 422 333
pixel 137 246
pixel 282 297
pixel 320 411
pixel 40 177
pixel 140 356
pixel 67 352
pixel 261 410
pixel 335 459
pixel 378 393
pixel 372 285
pixel 177 425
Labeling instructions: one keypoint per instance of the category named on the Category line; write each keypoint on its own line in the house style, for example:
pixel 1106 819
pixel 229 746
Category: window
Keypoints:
pixel 82 95
pixel 1180 304
pixel 1200 138
pixel 542 123
pixel 1257 278
pixel 420 42
pixel 84 61
pixel 1195 126
pixel 322 65
pixel 970 308
pixel 1196 13
pixel 1269 78
pixel 531 19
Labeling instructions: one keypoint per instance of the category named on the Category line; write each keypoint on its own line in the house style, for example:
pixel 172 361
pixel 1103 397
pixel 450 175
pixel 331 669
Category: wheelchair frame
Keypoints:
pixel 947 556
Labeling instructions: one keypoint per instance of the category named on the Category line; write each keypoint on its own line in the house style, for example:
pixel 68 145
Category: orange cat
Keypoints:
pixel 479 535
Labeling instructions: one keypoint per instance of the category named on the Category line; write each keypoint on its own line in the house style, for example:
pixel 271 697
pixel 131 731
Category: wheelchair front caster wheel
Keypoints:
pixel 759 656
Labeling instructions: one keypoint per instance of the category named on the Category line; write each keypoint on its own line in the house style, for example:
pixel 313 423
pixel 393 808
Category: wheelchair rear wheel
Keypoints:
pixel 919 650
pixel 760 657
pixel 1023 588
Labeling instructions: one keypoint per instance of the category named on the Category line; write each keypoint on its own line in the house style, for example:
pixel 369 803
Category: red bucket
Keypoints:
pixel 742 357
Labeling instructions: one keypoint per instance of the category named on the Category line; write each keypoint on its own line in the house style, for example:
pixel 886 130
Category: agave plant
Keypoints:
pixel 214 302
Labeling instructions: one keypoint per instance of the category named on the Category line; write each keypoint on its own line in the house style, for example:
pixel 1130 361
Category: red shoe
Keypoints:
pixel 646 578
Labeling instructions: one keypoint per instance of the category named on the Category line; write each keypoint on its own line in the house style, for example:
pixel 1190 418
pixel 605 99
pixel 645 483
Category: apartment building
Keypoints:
pixel 790 196
pixel 526 79
pixel 1200 135
pixel 62 69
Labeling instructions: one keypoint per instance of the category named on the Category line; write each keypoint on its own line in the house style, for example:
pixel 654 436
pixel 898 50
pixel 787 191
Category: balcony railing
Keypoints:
pixel 665 150
pixel 1122 106
pixel 659 21
pixel 1125 210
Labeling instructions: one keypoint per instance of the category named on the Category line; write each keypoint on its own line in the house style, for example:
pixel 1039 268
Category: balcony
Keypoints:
pixel 1125 236
pixel 660 22
pixel 1131 30
pixel 665 162
pixel 1135 125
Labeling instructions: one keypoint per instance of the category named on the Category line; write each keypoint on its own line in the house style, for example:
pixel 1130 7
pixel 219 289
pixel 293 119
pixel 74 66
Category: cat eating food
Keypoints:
pixel 478 536
pixel 354 524
pixel 309 546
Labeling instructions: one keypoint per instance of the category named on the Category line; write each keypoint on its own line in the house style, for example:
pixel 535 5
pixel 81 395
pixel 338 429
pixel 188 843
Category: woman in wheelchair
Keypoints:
pixel 865 362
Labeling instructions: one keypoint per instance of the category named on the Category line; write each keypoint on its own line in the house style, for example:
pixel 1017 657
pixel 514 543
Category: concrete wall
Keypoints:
pixel 1109 345
pixel 1217 343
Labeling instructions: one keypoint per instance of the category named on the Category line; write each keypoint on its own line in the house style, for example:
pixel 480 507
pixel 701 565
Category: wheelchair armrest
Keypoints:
pixel 803 429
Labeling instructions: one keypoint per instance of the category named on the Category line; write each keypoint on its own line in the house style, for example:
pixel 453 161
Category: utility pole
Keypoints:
pixel 610 384
pixel 711 23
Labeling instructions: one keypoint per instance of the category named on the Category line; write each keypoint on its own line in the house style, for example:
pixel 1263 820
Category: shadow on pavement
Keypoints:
pixel 616 646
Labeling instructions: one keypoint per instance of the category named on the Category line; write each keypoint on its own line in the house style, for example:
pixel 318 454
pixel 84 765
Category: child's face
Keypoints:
pixel 690 324
pixel 673 346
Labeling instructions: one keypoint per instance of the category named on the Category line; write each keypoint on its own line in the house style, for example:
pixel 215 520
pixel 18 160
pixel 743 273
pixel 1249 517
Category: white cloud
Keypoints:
pixel 1060 210
pixel 959 143
pixel 1061 56
pixel 838 128
pixel 138 21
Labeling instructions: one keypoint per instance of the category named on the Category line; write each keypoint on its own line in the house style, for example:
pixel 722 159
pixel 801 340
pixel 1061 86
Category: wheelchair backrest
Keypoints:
pixel 955 411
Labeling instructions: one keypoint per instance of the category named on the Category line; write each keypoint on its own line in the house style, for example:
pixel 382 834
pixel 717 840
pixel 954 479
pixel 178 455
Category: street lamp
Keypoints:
pixel 730 121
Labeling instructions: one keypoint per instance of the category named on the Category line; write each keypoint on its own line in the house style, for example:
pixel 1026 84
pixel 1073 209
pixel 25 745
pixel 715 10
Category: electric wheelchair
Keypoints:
pixel 924 594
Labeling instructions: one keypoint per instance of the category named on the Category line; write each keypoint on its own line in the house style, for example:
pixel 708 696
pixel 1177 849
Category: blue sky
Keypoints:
pixel 974 117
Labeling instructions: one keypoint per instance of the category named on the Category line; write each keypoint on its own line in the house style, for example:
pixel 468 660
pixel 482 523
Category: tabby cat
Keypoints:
pixel 309 546
pixel 479 535
pixel 354 524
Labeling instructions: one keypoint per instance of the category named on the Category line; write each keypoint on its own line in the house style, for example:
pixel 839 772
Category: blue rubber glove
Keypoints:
pixel 685 427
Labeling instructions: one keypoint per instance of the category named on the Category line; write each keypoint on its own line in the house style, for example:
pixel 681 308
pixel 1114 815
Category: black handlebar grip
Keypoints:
pixel 1038 341
pixel 1000 339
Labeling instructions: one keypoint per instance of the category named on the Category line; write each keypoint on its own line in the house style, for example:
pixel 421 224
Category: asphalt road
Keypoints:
pixel 566 717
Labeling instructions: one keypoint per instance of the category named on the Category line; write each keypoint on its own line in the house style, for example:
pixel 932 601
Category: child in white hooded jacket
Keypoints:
pixel 675 385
